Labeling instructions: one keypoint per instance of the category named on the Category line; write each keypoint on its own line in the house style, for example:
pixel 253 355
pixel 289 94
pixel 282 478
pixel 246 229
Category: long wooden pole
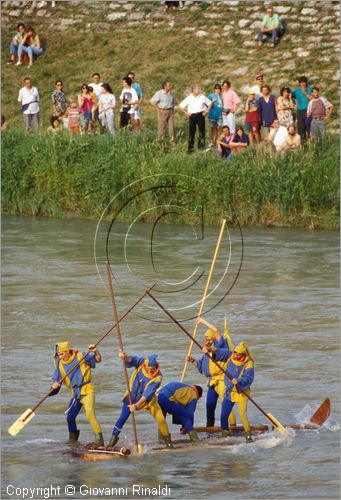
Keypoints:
pixel 120 343
pixel 270 417
pixel 24 419
pixel 202 303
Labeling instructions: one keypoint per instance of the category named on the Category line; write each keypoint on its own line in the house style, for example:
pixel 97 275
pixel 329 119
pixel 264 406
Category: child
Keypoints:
pixel 73 113
pixel 55 126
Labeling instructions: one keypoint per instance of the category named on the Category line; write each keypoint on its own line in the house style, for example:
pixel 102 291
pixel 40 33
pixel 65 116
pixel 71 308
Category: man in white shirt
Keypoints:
pixel 96 85
pixel 196 106
pixel 257 87
pixel 29 99
pixel 277 135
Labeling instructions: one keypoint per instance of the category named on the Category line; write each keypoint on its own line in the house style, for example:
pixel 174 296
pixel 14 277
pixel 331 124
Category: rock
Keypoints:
pixel 245 89
pixel 308 12
pixel 212 15
pixel 290 66
pixel 225 58
pixel 66 22
pixel 303 53
pixel 201 33
pixel 248 43
pixel 114 5
pixel 244 32
pixel 15 13
pixel 240 71
pixel 171 24
pixel 282 10
pixel 243 22
pixel 328 18
pixel 188 29
pixel 227 27
pixel 256 25
pixel 136 16
pixel 128 6
pixel 116 15
pixel 293 26
pixel 233 3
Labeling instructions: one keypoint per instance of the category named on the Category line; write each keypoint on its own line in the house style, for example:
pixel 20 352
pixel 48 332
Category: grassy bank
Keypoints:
pixel 78 176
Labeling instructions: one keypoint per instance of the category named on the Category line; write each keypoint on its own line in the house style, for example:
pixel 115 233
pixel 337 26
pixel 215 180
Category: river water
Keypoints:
pixel 284 304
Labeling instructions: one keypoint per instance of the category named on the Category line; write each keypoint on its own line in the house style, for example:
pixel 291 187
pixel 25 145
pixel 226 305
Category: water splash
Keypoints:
pixel 332 424
pixel 303 417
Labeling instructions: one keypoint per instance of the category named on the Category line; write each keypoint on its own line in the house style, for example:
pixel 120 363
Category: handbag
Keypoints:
pixel 25 107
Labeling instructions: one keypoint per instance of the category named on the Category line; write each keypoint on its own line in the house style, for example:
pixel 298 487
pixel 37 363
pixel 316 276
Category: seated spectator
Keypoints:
pixel 85 103
pixel 223 149
pixel 277 135
pixel 252 117
pixel 240 141
pixel 128 98
pixel 55 125
pixel 4 124
pixel 302 95
pixel 285 107
pixel 319 110
pixel 107 105
pixel 272 27
pixel 73 115
pixel 30 45
pixel 16 41
pixel 257 87
pixel 171 4
pixel 267 103
pixel 292 142
pixel 215 117
pixel 59 103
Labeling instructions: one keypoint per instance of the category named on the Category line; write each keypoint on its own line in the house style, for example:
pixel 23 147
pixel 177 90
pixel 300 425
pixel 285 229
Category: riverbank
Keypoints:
pixel 78 176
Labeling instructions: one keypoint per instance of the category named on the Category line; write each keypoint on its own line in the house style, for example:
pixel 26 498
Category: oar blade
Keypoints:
pixel 19 424
pixel 139 449
pixel 321 414
pixel 280 427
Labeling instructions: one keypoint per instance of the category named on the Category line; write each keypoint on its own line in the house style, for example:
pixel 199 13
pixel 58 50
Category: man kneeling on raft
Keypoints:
pixel 180 400
pixel 144 382
pixel 240 367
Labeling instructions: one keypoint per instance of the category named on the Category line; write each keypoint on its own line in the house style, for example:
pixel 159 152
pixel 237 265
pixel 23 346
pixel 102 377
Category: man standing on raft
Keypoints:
pixel 79 381
pixel 241 368
pixel 144 382
pixel 215 377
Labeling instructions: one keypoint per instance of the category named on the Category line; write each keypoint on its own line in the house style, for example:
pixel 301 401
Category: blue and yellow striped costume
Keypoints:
pixel 82 389
pixel 180 400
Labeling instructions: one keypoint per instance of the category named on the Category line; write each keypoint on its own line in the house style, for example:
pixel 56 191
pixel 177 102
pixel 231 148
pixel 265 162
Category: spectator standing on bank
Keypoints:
pixel 59 103
pixel 29 99
pixel 128 99
pixel 215 116
pixel 85 103
pixel 196 106
pixel 31 45
pixel 292 141
pixel 302 95
pixel 285 107
pixel 268 109
pixel 319 110
pixel 252 117
pixel 231 102
pixel 107 105
pixel 73 115
pixel 272 27
pixel 137 107
pixel 96 85
pixel 256 88
pixel 163 101
pixel 16 41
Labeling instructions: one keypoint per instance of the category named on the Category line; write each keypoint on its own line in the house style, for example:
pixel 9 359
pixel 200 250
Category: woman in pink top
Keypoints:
pixel 85 103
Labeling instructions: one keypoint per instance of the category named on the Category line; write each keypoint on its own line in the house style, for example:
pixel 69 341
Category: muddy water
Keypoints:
pixel 284 305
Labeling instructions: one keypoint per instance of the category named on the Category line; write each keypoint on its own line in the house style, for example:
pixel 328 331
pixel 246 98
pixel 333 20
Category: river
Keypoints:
pixel 284 305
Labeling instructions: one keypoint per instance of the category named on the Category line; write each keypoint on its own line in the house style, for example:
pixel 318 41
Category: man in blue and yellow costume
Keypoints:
pixel 180 400
pixel 215 377
pixel 79 381
pixel 240 366
pixel 144 382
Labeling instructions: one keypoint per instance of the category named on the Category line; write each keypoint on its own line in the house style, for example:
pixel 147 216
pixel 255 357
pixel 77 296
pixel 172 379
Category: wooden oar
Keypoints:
pixel 138 447
pixel 25 418
pixel 205 294
pixel 322 413
pixel 270 417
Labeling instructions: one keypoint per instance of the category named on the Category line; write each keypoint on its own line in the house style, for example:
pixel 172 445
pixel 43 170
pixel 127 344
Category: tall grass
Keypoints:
pixel 64 175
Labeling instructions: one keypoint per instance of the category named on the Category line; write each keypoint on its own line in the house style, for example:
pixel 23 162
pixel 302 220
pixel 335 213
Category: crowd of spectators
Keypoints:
pixel 285 121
